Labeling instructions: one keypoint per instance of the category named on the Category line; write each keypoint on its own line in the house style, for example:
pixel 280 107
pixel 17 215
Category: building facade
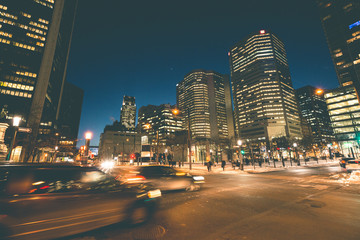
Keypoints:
pixel 118 143
pixel 128 112
pixel 35 38
pixel 70 114
pixel 341 23
pixel 204 99
pixel 265 106
pixel 153 120
pixel 344 112
pixel 313 108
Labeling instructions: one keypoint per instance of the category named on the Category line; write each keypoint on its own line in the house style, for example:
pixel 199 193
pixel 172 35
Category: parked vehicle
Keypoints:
pixel 350 164
pixel 47 201
pixel 165 178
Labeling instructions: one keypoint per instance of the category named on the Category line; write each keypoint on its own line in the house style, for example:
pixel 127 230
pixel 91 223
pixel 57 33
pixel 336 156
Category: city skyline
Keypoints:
pixel 148 57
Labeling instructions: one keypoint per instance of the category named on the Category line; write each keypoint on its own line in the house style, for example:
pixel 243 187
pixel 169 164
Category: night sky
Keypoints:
pixel 143 48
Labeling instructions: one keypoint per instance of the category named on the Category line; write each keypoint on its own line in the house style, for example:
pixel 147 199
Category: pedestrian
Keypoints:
pixel 223 163
pixel 233 164
pixel 179 164
pixel 208 164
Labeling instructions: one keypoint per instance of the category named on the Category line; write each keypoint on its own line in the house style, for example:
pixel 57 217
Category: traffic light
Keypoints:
pixel 132 156
pixel 242 152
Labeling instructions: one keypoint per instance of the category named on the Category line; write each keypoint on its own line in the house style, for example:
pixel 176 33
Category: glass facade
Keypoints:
pixel 344 112
pixel 340 20
pixel 264 99
pixel 128 112
pixel 313 108
pixel 202 99
pixel 160 118
pixel 27 54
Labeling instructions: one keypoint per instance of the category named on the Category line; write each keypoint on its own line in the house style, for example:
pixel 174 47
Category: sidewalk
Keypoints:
pixel 198 168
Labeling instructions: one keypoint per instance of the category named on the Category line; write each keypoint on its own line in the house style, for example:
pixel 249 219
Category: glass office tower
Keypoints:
pixel 264 98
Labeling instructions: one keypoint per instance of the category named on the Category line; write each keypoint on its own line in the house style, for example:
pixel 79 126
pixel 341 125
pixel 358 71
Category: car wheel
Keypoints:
pixel 192 187
pixel 138 215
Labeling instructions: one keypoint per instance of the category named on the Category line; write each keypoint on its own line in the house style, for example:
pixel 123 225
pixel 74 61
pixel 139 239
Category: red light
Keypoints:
pixel 132 156
pixel 44 187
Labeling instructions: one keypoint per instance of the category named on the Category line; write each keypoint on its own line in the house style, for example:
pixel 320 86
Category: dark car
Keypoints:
pixel 350 164
pixel 165 178
pixel 47 201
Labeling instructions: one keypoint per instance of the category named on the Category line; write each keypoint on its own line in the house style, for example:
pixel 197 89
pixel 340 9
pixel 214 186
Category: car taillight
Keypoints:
pixel 137 178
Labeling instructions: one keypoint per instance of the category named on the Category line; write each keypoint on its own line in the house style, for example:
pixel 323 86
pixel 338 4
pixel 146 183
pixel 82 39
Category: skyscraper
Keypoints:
pixel 264 99
pixel 35 39
pixel 313 108
pixel 128 112
pixel 341 23
pixel 161 119
pixel 204 99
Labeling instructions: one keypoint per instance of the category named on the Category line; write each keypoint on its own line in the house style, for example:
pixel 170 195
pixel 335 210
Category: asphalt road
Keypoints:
pixel 301 203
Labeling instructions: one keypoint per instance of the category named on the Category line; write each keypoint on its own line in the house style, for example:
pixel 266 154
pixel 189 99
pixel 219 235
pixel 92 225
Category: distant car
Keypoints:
pixel 350 164
pixel 165 178
pixel 47 201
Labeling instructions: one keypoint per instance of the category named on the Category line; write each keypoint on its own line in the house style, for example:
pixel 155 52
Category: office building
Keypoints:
pixel 344 112
pixel 118 143
pixel 264 99
pixel 341 23
pixel 159 119
pixel 314 110
pixel 35 38
pixel 70 113
pixel 128 112
pixel 204 99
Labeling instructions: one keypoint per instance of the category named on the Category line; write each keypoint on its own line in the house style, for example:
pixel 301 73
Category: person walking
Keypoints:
pixel 223 163
pixel 208 164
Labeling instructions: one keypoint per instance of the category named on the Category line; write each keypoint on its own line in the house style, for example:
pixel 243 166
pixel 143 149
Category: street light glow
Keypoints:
pixel 175 111
pixel 16 121
pixel 88 135
pixel 319 91
pixel 295 144
pixel 239 142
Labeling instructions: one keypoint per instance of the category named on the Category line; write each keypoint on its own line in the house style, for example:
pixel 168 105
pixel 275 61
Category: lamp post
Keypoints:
pixel 16 123
pixel 88 137
pixel 176 112
pixel 295 154
pixel 239 142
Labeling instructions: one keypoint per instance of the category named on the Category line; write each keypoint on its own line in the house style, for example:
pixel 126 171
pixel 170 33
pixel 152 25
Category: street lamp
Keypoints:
pixel 176 111
pixel 319 91
pixel 239 142
pixel 295 154
pixel 88 137
pixel 16 123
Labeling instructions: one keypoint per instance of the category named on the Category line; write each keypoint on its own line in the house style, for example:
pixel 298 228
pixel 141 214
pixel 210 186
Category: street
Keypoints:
pixel 300 203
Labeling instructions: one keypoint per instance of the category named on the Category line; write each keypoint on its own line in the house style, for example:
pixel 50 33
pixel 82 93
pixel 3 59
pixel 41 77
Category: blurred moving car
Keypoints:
pixel 47 201
pixel 165 178
pixel 350 164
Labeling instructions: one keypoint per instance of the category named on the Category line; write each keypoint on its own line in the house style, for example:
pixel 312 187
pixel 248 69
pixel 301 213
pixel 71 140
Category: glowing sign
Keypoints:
pixel 262 31
pixel 354 25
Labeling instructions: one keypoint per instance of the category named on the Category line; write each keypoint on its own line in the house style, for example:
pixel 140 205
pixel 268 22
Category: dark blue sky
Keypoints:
pixel 143 48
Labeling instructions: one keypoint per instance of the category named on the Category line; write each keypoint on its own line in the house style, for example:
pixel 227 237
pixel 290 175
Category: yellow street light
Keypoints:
pixel 319 91
pixel 175 111
pixel 88 135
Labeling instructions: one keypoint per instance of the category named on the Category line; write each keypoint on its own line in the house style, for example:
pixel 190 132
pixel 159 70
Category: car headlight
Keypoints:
pixel 154 193
pixel 198 178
